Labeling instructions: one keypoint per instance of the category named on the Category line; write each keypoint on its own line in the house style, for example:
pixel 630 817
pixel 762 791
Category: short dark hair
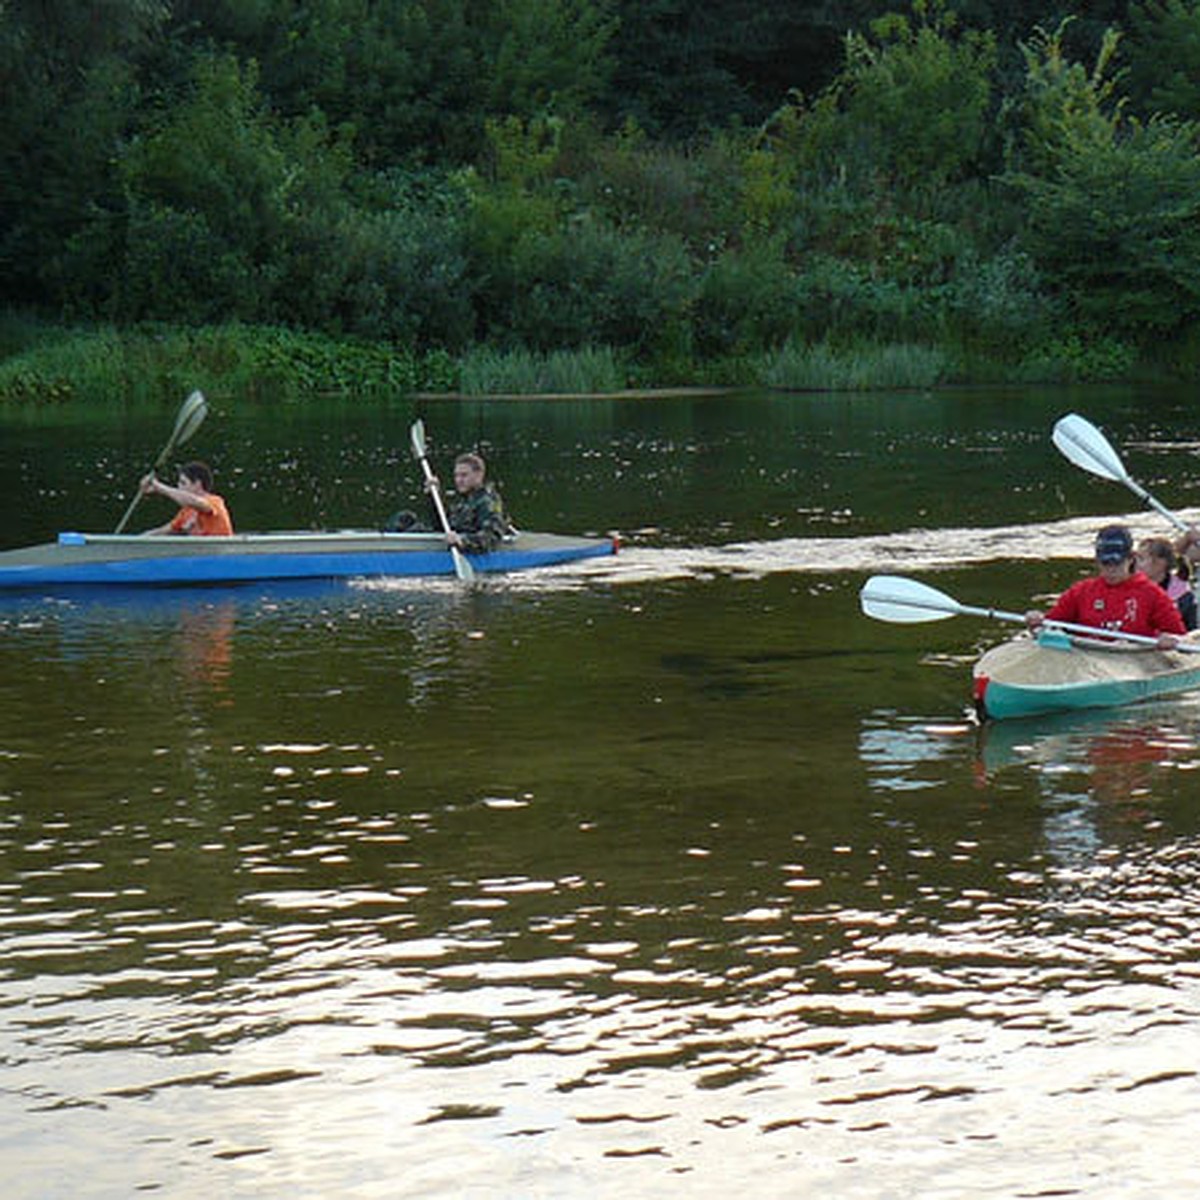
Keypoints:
pixel 198 472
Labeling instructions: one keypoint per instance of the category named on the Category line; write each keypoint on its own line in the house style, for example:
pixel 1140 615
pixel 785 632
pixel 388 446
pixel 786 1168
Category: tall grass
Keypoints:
pixel 104 363
pixel 862 367
pixel 522 372
pixel 65 365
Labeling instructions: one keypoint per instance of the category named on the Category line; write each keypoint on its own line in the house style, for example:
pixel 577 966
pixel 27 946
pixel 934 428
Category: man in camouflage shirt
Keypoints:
pixel 478 522
pixel 476 512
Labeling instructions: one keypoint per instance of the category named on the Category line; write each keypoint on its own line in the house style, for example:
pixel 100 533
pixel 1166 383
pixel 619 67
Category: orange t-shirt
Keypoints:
pixel 202 524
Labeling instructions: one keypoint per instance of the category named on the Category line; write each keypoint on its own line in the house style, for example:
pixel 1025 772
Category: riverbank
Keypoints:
pixel 44 362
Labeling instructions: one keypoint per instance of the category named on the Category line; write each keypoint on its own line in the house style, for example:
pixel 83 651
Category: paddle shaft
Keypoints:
pixel 462 568
pixel 159 463
pixel 191 413
pixel 1093 631
pixel 1162 510
pixel 435 493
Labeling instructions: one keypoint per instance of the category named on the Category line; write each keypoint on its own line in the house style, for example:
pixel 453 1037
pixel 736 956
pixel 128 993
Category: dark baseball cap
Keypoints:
pixel 1114 543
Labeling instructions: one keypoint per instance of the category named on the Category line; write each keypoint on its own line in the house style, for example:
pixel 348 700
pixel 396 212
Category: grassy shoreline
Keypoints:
pixel 42 362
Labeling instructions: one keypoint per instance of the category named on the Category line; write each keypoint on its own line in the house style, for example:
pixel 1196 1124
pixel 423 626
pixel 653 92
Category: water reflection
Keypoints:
pixel 435 978
pixel 579 883
pixel 206 644
pixel 907 753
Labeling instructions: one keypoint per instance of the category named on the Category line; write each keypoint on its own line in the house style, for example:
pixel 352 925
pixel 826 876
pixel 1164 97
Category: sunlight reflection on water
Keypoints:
pixel 352 914
pixel 1045 1010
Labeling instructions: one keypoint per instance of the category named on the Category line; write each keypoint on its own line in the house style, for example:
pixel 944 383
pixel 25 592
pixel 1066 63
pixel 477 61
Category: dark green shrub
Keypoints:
pixel 1113 203
pixel 177 268
pixel 1163 52
pixel 747 302
pixel 911 103
pixel 590 285
pixel 1080 356
pixel 395 276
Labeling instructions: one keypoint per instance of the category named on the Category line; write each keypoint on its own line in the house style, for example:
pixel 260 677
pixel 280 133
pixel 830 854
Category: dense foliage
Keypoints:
pixel 671 191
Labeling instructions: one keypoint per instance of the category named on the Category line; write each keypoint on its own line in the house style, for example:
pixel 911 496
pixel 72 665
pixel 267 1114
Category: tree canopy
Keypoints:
pixel 673 178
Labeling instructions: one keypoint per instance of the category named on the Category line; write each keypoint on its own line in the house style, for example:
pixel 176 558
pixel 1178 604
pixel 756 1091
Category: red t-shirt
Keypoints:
pixel 213 524
pixel 1135 605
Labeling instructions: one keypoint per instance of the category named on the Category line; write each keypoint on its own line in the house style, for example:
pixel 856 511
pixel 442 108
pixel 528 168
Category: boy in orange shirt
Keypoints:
pixel 201 512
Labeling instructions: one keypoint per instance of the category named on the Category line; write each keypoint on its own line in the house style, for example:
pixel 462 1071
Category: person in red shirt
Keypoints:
pixel 201 511
pixel 1118 597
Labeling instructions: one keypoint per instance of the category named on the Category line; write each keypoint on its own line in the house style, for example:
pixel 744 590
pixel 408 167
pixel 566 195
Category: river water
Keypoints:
pixel 670 874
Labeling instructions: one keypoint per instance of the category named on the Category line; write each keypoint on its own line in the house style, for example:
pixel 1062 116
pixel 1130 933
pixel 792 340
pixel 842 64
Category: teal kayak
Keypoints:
pixel 1055 672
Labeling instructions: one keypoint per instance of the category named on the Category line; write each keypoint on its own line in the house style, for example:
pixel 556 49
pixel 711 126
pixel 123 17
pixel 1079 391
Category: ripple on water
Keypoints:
pixel 310 977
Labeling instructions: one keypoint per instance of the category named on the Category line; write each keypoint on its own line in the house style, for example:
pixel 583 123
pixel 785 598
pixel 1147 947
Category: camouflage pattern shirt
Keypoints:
pixel 479 518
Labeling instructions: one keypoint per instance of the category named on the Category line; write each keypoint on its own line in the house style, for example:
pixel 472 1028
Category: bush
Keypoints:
pixel 911 103
pixel 590 284
pixel 177 268
pixel 256 360
pixel 399 275
pixel 84 363
pixel 1080 357
pixel 1114 204
pixel 747 302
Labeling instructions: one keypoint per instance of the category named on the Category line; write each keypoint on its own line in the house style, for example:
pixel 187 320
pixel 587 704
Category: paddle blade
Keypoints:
pixel 1084 445
pixel 191 416
pixel 462 568
pixel 417 434
pixel 905 601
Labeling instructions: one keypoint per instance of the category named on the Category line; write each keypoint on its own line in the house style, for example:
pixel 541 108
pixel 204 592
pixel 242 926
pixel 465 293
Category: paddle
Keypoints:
pixel 191 414
pixel 1081 442
pixel 462 568
pixel 894 598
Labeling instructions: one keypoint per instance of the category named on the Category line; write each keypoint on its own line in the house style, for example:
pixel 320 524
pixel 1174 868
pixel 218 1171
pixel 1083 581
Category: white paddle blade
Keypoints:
pixel 418 438
pixel 1084 445
pixel 905 601
pixel 191 417
pixel 462 568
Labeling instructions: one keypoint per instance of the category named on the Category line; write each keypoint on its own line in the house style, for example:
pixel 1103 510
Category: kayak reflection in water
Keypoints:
pixel 1156 558
pixel 202 513
pixel 1118 597
pixel 478 522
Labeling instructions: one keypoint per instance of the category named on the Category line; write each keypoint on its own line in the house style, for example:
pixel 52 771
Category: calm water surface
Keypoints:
pixel 662 876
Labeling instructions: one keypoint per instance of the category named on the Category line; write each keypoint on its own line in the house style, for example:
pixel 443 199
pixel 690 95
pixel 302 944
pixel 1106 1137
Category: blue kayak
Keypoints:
pixel 1054 673
pixel 124 560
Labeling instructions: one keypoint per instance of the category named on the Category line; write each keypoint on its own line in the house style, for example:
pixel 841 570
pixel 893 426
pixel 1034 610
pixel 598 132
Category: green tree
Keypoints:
pixel 911 103
pixel 1113 202
pixel 1163 49
pixel 69 84
pixel 215 193
pixel 548 56
pixel 406 75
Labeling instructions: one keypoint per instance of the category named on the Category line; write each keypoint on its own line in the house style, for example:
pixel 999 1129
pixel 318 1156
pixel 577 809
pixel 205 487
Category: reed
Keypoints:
pixel 861 367
pixel 486 371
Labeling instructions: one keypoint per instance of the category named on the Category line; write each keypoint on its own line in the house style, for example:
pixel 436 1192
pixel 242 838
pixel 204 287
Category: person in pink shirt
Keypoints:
pixel 1156 556
pixel 1119 597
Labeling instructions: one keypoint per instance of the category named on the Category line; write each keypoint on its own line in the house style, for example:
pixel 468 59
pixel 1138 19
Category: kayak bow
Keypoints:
pixel 1054 673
